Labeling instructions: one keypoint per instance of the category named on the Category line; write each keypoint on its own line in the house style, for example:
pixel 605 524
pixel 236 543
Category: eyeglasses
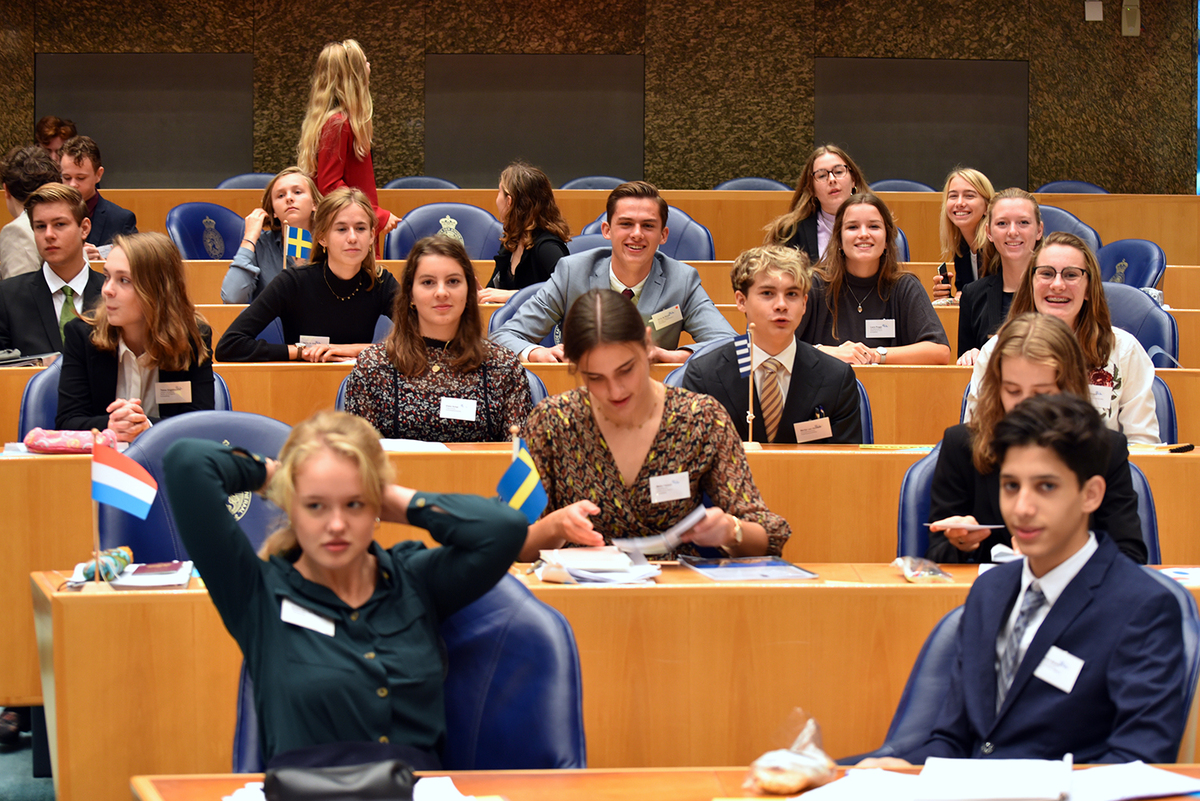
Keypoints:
pixel 1069 275
pixel 837 172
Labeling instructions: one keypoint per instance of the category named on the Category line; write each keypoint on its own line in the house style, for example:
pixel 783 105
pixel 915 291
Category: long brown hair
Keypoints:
pixel 406 347
pixel 989 255
pixel 1042 339
pixel 804 200
pixel 1093 326
pixel 833 266
pixel 327 210
pixel 949 234
pixel 533 206
pixel 600 317
pixel 172 325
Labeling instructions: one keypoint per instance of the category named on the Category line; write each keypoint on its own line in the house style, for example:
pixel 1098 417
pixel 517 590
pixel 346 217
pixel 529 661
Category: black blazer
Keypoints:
pixel 805 238
pixel 108 220
pixel 89 381
pixel 537 262
pixel 817 380
pixel 981 312
pixel 27 319
pixel 958 489
pixel 962 267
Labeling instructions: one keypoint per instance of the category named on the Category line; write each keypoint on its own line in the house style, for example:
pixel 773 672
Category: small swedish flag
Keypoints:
pixel 521 486
pixel 299 243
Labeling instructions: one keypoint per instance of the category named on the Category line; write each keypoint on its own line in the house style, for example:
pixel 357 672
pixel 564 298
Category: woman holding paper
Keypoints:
pixel 339 634
pixel 289 199
pixel 626 456
pixel 436 377
pixel 328 308
pixel 1034 354
pixel 143 353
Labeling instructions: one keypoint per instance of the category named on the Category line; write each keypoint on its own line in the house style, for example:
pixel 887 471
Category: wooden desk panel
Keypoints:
pixel 12 386
pixel 1181 286
pixel 1189 336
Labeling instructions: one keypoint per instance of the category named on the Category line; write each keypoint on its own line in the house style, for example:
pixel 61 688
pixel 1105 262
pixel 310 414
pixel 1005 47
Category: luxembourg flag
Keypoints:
pixel 119 481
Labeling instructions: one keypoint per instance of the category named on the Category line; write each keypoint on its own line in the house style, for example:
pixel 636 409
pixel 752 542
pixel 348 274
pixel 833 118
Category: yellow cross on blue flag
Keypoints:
pixel 299 243
pixel 521 486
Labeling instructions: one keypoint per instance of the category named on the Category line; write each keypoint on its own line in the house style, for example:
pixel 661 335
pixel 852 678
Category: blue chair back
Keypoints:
pixel 901 245
pixel 1056 219
pixel 754 184
pixel 420 182
pixel 273 333
pixel 511 658
pixel 584 242
pixel 675 377
pixel 900 185
pixel 205 230
pixel 1191 645
pixel 247 180
pixel 479 229
pixel 864 414
pixel 383 327
pixel 1147 516
pixel 687 240
pixel 1134 262
pixel 503 314
pixel 156 539
pixel 1072 187
pixel 1136 312
pixel 221 400
pixel 1164 410
pixel 912 537
pixel 39 401
pixel 339 402
pixel 594 182
pixel 537 387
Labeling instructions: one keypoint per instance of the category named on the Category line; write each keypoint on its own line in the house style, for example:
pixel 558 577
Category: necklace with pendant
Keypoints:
pixel 856 300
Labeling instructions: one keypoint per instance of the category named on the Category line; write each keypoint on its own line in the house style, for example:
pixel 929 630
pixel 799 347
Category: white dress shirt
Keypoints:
pixel 615 284
pixel 56 284
pixel 137 378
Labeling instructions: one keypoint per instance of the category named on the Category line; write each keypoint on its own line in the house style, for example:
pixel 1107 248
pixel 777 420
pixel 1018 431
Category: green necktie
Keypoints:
pixel 68 309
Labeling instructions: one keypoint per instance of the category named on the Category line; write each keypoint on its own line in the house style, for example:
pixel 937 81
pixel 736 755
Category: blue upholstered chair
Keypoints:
pixel 39 401
pixel 1056 219
pixel 1191 652
pixel 593 182
pixel 221 400
pixel 156 538
pixel 1072 187
pixel 1133 262
pixel 584 242
pixel 1147 515
pixel 273 333
pixel 247 180
pixel 1164 410
pixel 510 658
pixel 900 185
pixel 205 230
pixel 754 184
pixel 479 229
pixel 503 314
pixel 687 240
pixel 420 182
pixel 901 245
pixel 1152 325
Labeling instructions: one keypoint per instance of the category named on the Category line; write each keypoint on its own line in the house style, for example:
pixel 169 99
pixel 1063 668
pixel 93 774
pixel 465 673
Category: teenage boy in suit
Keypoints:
pixel 81 169
pixel 1073 649
pixel 794 383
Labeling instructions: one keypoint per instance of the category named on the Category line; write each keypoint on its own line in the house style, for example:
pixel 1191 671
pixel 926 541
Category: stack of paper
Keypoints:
pixel 164 576
pixel 994 779
pixel 604 565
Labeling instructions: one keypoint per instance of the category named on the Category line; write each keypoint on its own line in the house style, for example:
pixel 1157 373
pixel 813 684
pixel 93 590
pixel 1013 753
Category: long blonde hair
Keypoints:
pixel 345 435
pixel 340 85
pixel 949 234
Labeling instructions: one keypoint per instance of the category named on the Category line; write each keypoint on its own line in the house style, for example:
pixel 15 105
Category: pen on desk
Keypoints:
pixel 534 566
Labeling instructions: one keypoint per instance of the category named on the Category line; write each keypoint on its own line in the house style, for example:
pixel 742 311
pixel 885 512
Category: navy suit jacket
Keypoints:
pixel 817 380
pixel 1127 702
pixel 27 319
pixel 108 220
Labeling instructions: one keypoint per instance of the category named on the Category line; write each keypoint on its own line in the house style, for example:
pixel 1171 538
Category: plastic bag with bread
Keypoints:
pixel 801 766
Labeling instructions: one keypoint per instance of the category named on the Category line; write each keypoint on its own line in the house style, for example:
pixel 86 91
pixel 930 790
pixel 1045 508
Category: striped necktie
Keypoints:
pixel 68 309
pixel 771 398
pixel 1034 600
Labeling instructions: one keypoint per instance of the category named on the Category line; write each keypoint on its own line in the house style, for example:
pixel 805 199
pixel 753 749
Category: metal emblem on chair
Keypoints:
pixel 214 245
pixel 1119 276
pixel 450 230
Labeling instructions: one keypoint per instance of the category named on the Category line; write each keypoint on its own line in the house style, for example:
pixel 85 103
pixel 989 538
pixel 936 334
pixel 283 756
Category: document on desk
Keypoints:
pixel 412 446
pixel 603 565
pixel 994 780
pixel 746 568
pixel 867 783
pixel 1129 781
pixel 666 542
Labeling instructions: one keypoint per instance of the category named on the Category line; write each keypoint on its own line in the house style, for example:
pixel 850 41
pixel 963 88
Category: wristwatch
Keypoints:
pixel 299 351
pixel 882 351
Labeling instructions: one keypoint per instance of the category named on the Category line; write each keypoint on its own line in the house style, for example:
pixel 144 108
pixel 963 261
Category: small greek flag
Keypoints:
pixel 521 486
pixel 741 347
pixel 119 481
pixel 299 243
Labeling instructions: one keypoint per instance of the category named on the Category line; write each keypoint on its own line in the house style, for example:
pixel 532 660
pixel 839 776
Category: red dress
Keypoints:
pixel 337 165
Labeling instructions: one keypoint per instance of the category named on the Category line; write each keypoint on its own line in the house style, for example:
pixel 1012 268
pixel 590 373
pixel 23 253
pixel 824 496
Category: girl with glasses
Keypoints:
pixel 828 178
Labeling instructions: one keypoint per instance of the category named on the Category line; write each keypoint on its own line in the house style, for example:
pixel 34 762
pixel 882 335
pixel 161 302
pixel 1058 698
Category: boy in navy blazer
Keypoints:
pixel 1073 649
pixel 81 169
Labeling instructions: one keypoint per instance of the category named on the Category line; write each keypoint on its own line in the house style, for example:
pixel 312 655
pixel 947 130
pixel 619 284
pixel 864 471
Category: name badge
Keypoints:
pixel 674 487
pixel 666 317
pixel 810 430
pixel 307 340
pixel 881 329
pixel 459 409
pixel 297 615
pixel 1059 669
pixel 173 392
pixel 1101 398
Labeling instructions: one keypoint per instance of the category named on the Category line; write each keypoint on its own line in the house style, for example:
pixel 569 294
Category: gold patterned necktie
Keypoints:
pixel 771 397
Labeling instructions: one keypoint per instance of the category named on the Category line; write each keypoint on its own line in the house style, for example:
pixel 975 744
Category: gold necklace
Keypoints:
pixel 856 300
pixel 355 292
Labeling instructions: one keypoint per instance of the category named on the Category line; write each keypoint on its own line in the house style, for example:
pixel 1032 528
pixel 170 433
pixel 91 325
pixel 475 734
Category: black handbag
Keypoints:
pixel 390 779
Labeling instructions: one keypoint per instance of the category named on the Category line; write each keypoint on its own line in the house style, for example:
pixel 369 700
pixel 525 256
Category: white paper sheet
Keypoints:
pixel 994 779
pixel 1129 781
pixel 866 783
pixel 412 446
